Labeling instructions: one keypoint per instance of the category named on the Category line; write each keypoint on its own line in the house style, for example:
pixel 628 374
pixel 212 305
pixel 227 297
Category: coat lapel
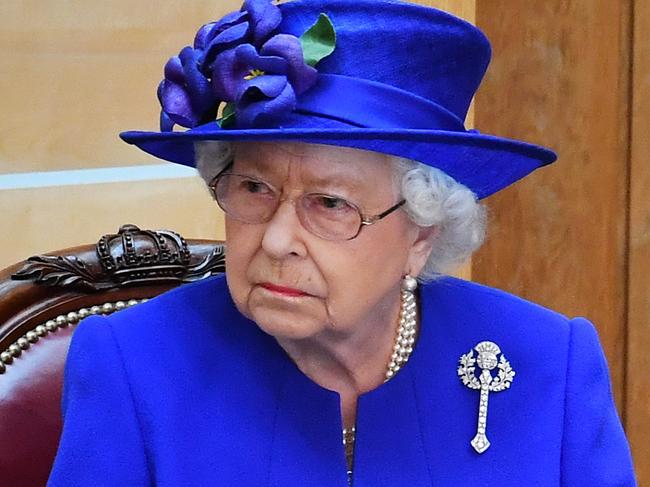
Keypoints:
pixel 307 444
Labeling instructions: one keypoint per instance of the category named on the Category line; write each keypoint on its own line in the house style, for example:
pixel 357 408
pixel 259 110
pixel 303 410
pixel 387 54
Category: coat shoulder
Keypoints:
pixel 191 325
pixel 491 308
pixel 192 306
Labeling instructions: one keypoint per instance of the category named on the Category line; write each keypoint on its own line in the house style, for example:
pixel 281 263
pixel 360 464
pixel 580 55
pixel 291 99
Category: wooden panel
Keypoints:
pixel 560 77
pixel 638 381
pixel 45 219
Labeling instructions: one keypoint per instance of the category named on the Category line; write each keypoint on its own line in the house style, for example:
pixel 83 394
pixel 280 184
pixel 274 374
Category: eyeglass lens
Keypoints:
pixel 251 200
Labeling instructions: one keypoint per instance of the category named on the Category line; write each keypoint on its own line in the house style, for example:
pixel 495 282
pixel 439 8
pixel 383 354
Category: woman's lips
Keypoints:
pixel 285 291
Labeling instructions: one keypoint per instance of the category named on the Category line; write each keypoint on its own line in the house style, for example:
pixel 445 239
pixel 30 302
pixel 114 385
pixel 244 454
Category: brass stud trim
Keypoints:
pixel 42 330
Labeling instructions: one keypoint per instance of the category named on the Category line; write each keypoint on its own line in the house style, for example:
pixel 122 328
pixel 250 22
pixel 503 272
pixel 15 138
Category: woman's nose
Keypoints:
pixel 283 235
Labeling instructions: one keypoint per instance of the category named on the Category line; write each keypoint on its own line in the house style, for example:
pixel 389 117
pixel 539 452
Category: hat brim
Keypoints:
pixel 483 163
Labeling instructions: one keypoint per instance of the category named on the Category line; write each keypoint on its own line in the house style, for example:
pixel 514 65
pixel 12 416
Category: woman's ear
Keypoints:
pixel 421 249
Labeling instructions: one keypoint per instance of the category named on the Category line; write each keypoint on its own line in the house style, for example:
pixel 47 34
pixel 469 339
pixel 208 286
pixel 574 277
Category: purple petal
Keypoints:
pixel 174 70
pixel 160 90
pixel 177 104
pixel 198 86
pixel 301 75
pixel 211 30
pixel 229 20
pixel 225 40
pixel 236 33
pixel 228 75
pixel 252 113
pixel 201 38
pixel 265 17
pixel 248 55
pixel 267 86
pixel 166 123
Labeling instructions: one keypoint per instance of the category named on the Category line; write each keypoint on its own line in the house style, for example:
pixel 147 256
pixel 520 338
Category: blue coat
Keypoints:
pixel 185 391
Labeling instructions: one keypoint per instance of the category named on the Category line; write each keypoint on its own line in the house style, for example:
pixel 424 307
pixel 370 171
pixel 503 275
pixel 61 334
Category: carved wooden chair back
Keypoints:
pixel 41 301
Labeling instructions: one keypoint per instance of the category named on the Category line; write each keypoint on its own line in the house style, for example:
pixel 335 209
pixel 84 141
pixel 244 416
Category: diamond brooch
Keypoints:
pixel 487 360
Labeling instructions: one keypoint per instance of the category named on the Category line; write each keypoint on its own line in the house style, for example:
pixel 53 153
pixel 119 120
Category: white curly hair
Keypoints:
pixel 432 199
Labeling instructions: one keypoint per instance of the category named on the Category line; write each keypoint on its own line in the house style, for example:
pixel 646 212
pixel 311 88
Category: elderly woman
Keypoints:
pixel 335 351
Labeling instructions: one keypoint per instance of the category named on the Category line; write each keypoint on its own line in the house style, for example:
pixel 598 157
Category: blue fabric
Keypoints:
pixel 183 390
pixel 365 103
pixel 405 75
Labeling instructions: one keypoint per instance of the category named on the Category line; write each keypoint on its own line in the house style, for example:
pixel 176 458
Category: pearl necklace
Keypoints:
pixel 406 332
pixel 408 327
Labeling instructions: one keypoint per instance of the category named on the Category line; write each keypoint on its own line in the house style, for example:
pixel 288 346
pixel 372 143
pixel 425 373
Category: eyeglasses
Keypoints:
pixel 252 200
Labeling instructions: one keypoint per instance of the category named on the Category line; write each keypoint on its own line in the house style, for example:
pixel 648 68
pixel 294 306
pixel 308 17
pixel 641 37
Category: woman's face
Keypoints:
pixel 296 285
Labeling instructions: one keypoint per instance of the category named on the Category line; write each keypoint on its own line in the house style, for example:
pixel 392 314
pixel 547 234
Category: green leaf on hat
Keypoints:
pixel 319 41
pixel 227 119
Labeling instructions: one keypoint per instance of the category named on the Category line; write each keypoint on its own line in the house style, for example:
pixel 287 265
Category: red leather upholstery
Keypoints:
pixel 40 300
pixel 30 424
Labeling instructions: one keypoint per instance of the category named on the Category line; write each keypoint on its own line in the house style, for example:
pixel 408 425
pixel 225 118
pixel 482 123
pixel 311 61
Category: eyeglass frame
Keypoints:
pixel 365 220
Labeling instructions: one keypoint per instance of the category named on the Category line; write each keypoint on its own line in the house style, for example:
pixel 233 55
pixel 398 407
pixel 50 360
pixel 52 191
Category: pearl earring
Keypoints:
pixel 409 283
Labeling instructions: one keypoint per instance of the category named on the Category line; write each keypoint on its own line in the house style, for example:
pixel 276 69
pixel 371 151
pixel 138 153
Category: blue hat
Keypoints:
pixel 378 75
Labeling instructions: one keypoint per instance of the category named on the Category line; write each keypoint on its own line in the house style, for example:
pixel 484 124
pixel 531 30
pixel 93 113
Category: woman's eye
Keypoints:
pixel 255 187
pixel 332 203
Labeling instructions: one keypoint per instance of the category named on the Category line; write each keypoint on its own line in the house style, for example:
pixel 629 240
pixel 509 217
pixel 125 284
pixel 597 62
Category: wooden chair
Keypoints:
pixel 41 301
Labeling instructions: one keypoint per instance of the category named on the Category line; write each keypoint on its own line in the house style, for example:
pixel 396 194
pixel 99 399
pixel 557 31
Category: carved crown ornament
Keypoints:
pixel 129 257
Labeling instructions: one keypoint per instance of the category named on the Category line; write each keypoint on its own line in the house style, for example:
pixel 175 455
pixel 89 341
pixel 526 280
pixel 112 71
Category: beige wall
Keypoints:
pixel 74 74
pixel 39 220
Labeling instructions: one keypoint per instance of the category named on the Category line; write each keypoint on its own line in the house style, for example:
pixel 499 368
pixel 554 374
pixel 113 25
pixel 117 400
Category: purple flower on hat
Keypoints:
pixel 242 61
pixel 263 84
